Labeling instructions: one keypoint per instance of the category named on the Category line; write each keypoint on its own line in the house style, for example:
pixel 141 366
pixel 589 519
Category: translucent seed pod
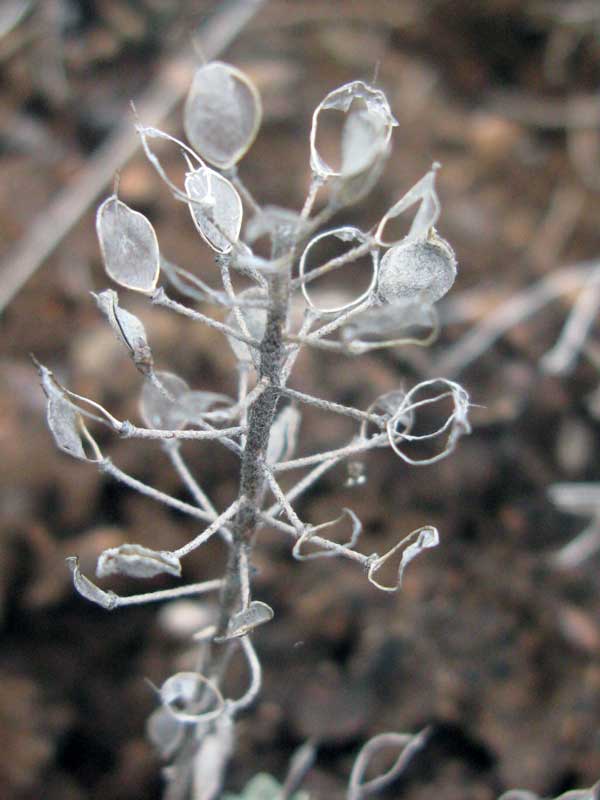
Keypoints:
pixel 222 114
pixel 136 561
pixel 408 549
pixel 246 620
pixel 391 325
pixel 217 208
pixel 69 430
pixel 424 193
pixel 129 246
pixel 354 237
pixel 274 221
pixel 88 589
pixel 284 435
pixel 255 318
pixel 366 132
pixel 157 409
pixel 417 270
pixel 128 328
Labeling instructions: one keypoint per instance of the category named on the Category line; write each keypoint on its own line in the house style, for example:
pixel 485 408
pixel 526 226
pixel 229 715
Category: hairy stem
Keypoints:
pixel 260 419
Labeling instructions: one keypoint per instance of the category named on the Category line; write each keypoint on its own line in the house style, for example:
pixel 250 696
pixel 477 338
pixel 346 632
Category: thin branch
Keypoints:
pixel 106 465
pixel 359 446
pixel 206 534
pixel 169 594
pixel 160 298
pixel 337 408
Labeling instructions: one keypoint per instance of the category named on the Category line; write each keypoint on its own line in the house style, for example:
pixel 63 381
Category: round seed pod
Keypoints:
pixel 417 270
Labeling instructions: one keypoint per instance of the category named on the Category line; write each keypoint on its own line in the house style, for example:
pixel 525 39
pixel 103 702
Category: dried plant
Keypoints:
pixel 194 726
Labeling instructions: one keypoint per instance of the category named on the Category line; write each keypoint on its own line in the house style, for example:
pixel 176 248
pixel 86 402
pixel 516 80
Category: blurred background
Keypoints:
pixel 489 642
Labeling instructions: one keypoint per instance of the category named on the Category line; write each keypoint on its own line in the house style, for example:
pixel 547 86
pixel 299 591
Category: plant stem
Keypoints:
pixel 260 419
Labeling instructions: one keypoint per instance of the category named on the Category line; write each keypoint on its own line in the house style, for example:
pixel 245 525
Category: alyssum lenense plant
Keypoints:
pixel 193 727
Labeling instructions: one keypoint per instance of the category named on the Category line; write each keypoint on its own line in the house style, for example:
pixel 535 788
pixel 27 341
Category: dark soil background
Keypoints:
pixel 487 642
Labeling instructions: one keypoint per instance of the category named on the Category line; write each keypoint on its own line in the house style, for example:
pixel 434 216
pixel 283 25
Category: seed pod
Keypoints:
pixel 422 270
pixel 255 318
pixel 89 590
pixel 366 132
pixel 222 114
pixel 156 409
pixel 217 210
pixel 137 561
pixel 284 435
pixel 129 329
pixel 245 621
pixel 409 548
pixel 348 235
pixel 129 246
pixel 428 212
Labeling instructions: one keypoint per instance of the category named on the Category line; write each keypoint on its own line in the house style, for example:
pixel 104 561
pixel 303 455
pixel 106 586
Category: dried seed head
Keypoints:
pixel 129 246
pixel 280 224
pixel 66 421
pixel 391 325
pixel 366 132
pixel 137 561
pixel 245 621
pixel 356 239
pixel 409 548
pixel 222 114
pixel 217 208
pixel 428 212
pixel 89 590
pixel 160 409
pixel 421 270
pixel 129 329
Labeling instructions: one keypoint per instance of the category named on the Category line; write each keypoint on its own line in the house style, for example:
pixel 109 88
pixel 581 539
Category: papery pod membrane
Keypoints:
pixel 137 561
pixel 428 212
pixel 354 237
pixel 280 224
pixel 129 246
pixel 217 211
pixel 191 406
pixel 68 428
pixel 255 318
pixel 156 409
pixel 455 425
pixel 89 590
pixel 314 529
pixel 419 270
pixel 391 323
pixel 424 537
pixel 128 328
pixel 245 621
pixel 366 133
pixel 283 437
pixel 222 114
pixel 349 189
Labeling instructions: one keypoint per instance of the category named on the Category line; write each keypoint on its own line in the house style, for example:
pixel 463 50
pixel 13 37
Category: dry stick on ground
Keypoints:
pixel 516 309
pixel 55 222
